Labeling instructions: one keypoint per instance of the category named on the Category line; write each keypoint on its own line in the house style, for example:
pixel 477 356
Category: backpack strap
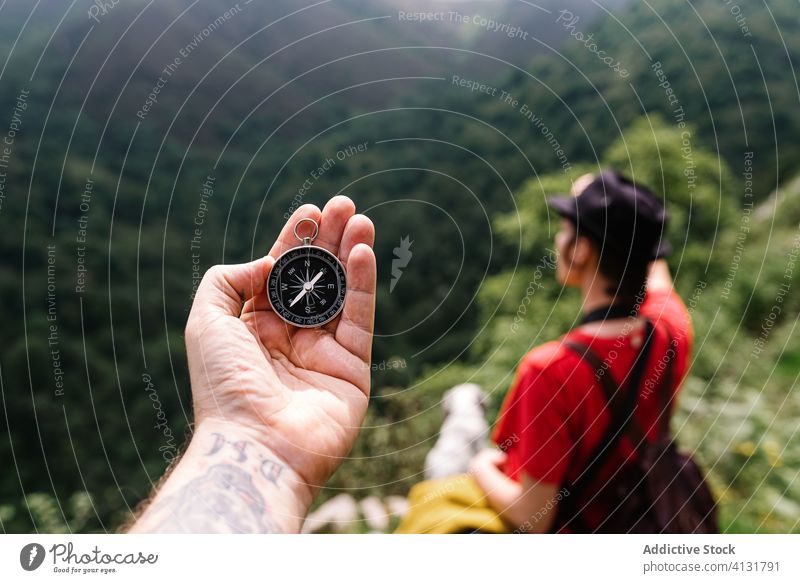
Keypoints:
pixel 621 408
pixel 666 392
pixel 607 383
pixel 610 388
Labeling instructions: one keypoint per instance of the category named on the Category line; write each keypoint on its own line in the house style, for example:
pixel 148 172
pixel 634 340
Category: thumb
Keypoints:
pixel 224 288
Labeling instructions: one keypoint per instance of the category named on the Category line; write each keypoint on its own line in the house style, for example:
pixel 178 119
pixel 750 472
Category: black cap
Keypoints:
pixel 621 216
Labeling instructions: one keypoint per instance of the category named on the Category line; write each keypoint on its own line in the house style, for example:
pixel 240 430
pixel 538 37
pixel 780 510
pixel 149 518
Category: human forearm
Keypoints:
pixel 227 482
pixel 502 492
pixel 525 506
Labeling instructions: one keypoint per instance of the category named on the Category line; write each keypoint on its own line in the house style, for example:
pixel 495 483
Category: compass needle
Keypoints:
pixel 298 297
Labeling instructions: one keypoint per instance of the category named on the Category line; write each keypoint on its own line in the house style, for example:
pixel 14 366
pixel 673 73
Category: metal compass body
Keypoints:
pixel 307 284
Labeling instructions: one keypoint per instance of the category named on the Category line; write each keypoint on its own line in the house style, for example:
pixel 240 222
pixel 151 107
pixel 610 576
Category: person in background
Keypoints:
pixel 610 246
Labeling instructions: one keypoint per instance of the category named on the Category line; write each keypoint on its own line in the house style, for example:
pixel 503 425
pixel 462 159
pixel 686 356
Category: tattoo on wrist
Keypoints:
pixel 239 447
pixel 224 498
pixel 269 468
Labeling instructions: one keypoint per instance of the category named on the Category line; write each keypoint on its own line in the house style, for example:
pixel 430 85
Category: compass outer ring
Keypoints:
pixel 335 314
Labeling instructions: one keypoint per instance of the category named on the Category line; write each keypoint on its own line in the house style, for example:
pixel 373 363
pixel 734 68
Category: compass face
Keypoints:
pixel 307 286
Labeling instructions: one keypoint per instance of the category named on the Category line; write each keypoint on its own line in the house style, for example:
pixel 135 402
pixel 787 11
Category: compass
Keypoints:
pixel 307 284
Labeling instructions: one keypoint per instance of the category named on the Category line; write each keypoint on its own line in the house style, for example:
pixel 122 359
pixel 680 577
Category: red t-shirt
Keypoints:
pixel 555 412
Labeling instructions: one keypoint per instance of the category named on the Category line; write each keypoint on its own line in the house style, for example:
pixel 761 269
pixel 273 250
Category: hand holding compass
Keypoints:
pixel 299 390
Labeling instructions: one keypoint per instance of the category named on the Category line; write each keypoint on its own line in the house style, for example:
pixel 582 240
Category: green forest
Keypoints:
pixel 139 151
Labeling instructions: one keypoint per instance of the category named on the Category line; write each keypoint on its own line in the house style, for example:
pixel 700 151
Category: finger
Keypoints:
pixel 287 239
pixel 335 215
pixel 224 288
pixel 359 229
pixel 260 302
pixel 354 331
